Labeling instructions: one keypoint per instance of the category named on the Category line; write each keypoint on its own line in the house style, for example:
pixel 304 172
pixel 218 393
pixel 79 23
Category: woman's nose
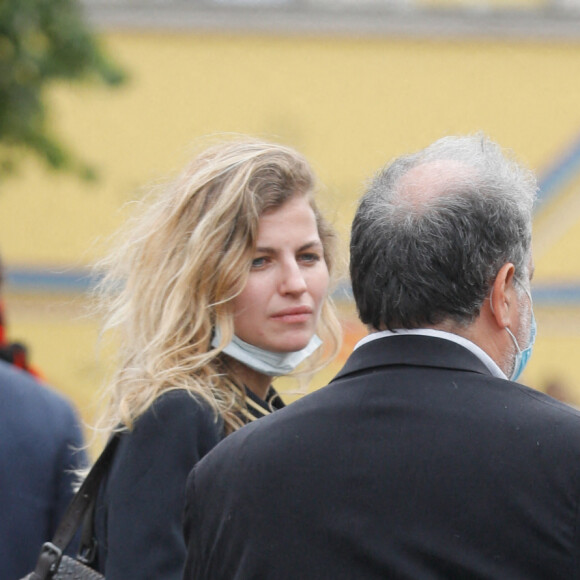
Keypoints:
pixel 292 279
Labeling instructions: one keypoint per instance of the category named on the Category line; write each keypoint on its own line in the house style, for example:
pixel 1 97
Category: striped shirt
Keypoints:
pixel 256 408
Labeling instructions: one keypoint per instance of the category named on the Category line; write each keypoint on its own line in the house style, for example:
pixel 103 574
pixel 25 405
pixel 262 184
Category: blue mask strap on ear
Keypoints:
pixel 523 356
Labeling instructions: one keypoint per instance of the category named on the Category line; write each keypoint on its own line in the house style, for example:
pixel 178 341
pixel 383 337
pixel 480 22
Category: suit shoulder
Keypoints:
pixel 175 421
pixel 548 406
pixel 24 396
pixel 263 437
pixel 179 406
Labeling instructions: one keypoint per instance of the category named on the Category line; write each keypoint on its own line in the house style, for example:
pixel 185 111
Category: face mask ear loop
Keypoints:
pixel 514 339
pixel 491 301
pixel 522 356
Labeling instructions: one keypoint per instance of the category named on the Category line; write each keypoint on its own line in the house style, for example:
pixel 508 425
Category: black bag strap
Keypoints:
pixel 88 544
pixel 51 552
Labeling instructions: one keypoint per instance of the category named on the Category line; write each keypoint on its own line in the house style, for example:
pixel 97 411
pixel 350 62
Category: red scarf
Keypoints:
pixel 14 353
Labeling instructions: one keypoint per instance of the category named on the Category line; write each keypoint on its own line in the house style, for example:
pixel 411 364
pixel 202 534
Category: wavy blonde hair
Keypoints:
pixel 177 266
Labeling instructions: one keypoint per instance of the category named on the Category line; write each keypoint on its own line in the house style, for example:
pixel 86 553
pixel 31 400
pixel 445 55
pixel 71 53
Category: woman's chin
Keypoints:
pixel 282 340
pixel 288 346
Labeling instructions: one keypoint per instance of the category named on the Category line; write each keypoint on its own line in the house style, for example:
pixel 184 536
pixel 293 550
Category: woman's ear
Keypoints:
pixel 502 296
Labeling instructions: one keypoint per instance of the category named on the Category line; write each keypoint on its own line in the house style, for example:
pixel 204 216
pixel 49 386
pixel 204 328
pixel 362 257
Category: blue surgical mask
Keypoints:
pixel 523 356
pixel 274 364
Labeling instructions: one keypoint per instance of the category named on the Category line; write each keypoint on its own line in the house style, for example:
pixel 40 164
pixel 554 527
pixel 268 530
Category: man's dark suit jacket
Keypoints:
pixel 413 463
pixel 40 438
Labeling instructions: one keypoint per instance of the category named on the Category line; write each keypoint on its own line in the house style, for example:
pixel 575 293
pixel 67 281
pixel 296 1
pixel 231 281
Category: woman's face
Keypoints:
pixel 280 305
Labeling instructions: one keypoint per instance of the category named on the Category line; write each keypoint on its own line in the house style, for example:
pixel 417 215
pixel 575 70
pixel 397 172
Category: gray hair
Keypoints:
pixel 421 259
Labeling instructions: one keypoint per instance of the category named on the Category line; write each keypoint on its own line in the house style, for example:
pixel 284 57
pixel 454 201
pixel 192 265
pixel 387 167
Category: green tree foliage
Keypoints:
pixel 42 41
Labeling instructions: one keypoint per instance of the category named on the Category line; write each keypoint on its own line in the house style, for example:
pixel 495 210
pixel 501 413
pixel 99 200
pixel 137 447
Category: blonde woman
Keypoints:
pixel 220 283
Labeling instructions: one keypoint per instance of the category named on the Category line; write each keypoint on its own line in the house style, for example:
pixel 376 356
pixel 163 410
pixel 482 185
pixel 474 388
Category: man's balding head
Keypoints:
pixel 433 230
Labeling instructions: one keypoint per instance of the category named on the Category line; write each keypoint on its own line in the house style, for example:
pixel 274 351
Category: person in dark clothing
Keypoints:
pixel 423 458
pixel 223 283
pixel 41 448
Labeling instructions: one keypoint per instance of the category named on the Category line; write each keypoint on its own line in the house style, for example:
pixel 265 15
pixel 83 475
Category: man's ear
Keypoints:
pixel 502 296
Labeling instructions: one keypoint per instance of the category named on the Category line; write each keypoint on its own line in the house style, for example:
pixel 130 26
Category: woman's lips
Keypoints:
pixel 293 315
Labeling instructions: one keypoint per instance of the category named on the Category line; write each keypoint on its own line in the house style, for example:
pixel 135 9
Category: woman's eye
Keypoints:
pixel 258 262
pixel 309 257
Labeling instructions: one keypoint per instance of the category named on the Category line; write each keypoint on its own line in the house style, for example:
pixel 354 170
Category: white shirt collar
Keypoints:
pixel 472 347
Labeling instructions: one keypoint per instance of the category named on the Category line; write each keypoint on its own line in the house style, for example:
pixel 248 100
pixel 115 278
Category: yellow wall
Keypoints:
pixel 348 103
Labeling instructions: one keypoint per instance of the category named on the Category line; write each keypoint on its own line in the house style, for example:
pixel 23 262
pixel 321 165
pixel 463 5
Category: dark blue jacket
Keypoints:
pixel 138 516
pixel 414 463
pixel 39 438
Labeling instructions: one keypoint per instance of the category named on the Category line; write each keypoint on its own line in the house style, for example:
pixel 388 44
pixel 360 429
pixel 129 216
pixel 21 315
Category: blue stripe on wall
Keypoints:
pixel 46 280
pixel 565 168
pixel 557 294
